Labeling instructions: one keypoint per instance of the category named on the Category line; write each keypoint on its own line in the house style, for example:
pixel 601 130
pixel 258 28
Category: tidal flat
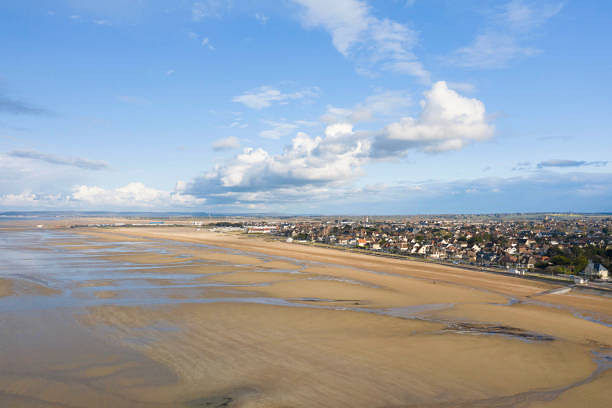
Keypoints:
pixel 173 317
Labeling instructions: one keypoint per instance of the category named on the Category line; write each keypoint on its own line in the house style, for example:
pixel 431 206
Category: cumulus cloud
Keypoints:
pixel 370 41
pixel 131 195
pixel 504 38
pixel 329 163
pixel 25 199
pixel 265 96
pixel 228 143
pixel 448 121
pixel 571 163
pixel 59 160
pixel 308 162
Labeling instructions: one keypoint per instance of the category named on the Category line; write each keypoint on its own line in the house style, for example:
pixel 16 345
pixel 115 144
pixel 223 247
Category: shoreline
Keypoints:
pixel 251 323
pixel 507 285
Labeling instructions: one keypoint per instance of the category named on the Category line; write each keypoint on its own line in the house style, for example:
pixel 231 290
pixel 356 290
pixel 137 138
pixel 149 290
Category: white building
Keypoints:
pixel 595 271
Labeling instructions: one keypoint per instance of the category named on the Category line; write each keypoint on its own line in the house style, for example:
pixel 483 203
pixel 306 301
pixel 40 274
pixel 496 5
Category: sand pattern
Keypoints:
pixel 178 317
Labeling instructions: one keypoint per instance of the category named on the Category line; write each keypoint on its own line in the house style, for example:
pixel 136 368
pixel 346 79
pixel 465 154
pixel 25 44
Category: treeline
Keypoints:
pixel 574 259
pixel 226 224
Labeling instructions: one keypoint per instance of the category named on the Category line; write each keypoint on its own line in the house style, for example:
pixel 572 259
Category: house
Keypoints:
pixel 595 271
pixel 260 229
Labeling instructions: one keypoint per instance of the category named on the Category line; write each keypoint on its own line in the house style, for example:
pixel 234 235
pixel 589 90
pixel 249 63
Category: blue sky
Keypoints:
pixel 306 106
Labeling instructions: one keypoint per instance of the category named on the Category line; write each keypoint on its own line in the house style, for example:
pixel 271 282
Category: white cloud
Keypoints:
pixel 307 163
pixel 29 200
pixel 462 86
pixel 508 29
pixel 206 43
pixel 524 15
pixel 262 18
pixel 384 103
pixel 448 121
pixel 228 143
pixel 370 41
pixel 265 96
pixel 491 50
pixel 238 124
pixel 328 164
pixel 208 9
pixel 25 199
pixel 132 195
pixel 280 129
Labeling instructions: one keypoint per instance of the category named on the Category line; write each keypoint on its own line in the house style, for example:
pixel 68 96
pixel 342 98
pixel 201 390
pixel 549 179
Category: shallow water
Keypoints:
pixel 39 257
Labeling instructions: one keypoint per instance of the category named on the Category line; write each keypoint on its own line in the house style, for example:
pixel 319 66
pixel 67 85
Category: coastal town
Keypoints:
pixel 556 245
pixel 577 246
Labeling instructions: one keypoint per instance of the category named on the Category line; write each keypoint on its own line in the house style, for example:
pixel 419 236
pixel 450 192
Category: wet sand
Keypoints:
pixel 6 287
pixel 175 317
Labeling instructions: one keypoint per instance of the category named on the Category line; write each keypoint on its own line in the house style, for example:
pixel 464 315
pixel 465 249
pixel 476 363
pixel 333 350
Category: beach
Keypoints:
pixel 163 317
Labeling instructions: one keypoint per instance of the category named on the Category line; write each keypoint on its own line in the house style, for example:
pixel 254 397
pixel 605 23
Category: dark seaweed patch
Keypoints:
pixel 476 328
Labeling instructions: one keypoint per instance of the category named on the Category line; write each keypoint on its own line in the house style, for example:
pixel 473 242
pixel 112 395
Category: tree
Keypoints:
pixel 580 263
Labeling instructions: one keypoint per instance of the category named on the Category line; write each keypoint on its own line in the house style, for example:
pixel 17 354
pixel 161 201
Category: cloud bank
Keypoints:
pixel 131 196
pixel 311 166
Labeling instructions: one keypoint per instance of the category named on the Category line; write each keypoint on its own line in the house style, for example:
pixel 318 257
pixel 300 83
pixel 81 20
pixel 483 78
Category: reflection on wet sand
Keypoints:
pixel 148 318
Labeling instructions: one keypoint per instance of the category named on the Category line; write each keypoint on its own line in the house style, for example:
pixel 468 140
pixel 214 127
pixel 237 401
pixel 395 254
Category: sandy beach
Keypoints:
pixel 179 317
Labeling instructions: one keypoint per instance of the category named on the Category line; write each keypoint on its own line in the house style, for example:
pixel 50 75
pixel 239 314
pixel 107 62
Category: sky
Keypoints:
pixel 306 106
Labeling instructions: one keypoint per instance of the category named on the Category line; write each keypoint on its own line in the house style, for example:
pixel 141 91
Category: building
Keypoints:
pixel 595 271
pixel 261 229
